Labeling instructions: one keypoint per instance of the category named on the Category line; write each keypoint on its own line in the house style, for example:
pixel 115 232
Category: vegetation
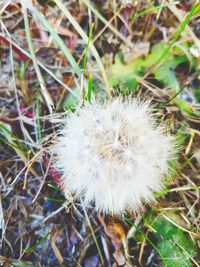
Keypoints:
pixel 54 56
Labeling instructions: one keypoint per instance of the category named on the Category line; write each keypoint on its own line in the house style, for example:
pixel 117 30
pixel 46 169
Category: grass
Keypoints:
pixel 86 39
pixel 194 10
pixel 38 228
pixel 44 91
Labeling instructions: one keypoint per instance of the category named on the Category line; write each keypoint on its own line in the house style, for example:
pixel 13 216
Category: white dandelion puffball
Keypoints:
pixel 113 155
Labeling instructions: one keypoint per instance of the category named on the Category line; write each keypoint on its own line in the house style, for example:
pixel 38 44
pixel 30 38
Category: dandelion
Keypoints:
pixel 113 155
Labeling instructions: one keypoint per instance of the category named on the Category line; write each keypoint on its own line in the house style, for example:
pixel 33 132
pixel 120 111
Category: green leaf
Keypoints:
pixel 124 73
pixel 166 74
pixel 175 246
pixel 71 100
pixel 184 106
pixel 194 10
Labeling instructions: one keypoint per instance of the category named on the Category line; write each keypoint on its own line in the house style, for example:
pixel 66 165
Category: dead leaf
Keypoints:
pixel 117 235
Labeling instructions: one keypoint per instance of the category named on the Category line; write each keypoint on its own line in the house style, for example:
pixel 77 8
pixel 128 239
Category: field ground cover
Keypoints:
pixel 54 54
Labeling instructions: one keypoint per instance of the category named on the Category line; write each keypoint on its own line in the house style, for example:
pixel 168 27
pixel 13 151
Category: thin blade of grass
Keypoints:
pixel 152 9
pixel 56 200
pixel 85 38
pixel 86 50
pixel 56 37
pixel 177 12
pixel 37 111
pixel 194 10
pixel 12 42
pixel 89 94
pixel 93 235
pixel 12 140
pixel 44 91
pixel 59 41
pixel 107 23
pixel 14 146
pixel 3 128
pixel 30 249
pixel 143 234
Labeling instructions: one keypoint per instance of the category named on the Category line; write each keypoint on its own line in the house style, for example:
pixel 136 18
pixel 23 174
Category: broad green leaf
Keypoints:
pixel 166 74
pixel 175 246
pixel 124 73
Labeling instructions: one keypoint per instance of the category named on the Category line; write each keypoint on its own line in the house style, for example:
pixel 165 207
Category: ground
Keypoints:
pixel 56 53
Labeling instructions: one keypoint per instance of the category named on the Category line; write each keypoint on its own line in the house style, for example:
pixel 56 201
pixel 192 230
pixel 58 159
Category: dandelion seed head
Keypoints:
pixel 113 155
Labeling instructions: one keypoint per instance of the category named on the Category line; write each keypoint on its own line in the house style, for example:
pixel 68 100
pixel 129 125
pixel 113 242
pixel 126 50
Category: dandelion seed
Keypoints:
pixel 113 155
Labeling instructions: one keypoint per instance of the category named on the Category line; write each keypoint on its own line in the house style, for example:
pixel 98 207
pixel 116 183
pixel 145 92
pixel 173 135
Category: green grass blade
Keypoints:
pixel 14 146
pixel 56 200
pixel 195 9
pixel 150 10
pixel 41 240
pixel 43 88
pixel 86 50
pixel 89 94
pixel 143 234
pixel 93 235
pixel 12 140
pixel 85 38
pixel 40 17
pixel 2 127
pixel 51 74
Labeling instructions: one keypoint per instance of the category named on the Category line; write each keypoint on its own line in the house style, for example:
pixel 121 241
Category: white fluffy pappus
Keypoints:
pixel 113 155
